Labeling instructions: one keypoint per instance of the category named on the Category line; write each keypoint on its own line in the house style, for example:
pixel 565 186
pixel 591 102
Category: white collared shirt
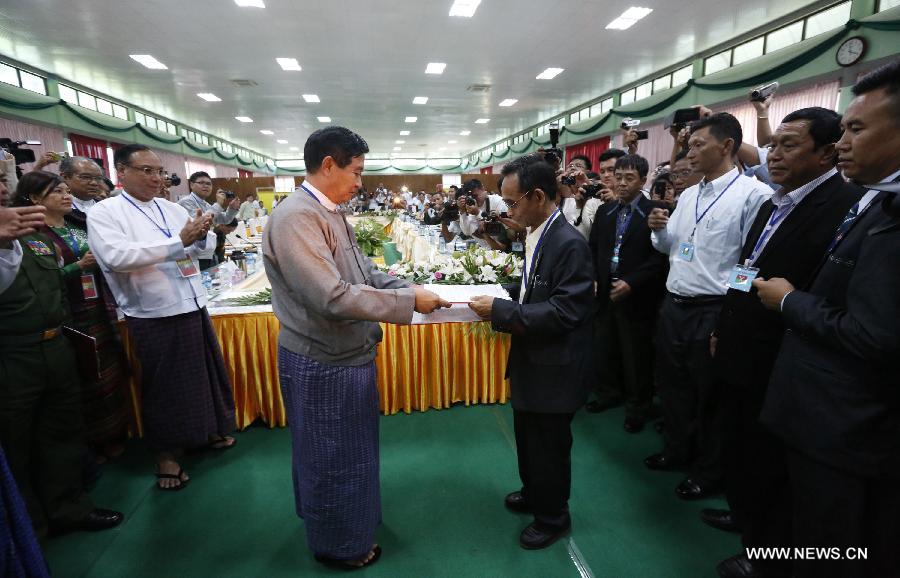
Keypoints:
pixel 531 241
pixel 138 258
pixel 468 224
pixel 10 260
pixel 83 205
pixel 326 202
pixel 719 236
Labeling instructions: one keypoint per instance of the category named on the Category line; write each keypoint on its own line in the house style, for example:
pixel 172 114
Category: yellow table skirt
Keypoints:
pixel 419 367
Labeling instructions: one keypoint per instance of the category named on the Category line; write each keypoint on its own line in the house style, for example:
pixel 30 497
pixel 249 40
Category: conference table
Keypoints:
pixel 419 367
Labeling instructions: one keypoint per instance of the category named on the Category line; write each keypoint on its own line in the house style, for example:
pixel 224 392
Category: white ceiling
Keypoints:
pixel 366 60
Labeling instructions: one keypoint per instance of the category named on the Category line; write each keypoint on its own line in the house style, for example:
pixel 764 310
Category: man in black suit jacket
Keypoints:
pixel 833 397
pixel 549 364
pixel 631 277
pixel 787 239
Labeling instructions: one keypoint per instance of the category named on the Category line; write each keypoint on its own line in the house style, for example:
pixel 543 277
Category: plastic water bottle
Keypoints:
pixel 442 244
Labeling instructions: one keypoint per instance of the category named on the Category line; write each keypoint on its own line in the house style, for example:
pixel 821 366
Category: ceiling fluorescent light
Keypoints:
pixel 288 63
pixel 311 98
pixel 250 3
pixel 465 132
pixel 281 141
pixel 396 149
pixel 324 118
pixel 209 97
pixel 420 100
pixel 294 148
pixel 399 142
pixel 482 121
pixel 464 8
pixel 148 61
pixel 266 131
pixel 404 133
pixel 451 142
pixel 411 119
pixel 628 18
pixel 243 118
pixel 435 68
pixel 549 73
pixel 509 102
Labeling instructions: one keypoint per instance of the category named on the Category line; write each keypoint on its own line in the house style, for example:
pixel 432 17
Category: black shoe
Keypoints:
pixel 346 564
pixel 598 406
pixel 633 424
pixel 516 502
pixel 691 489
pixel 536 535
pixel 738 567
pixel 720 520
pixel 661 462
pixel 98 519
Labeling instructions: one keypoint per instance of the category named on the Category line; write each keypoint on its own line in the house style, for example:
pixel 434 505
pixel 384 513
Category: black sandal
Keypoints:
pixel 181 482
pixel 347 564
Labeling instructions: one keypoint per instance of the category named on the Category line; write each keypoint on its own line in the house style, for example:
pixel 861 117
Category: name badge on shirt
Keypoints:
pixel 741 278
pixel 89 286
pixel 187 267
pixel 686 251
pixel 518 247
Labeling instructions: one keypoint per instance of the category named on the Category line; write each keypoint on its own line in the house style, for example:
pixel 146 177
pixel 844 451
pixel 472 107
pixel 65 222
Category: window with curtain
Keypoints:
pixel 92 148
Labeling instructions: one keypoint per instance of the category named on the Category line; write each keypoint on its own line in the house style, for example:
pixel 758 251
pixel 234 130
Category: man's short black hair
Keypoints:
pixel 587 161
pixel 682 154
pixel 633 162
pixel 611 154
pixel 886 77
pixel 193 178
pixel 337 142
pixel 722 126
pixel 534 173
pixel 824 125
pixel 471 186
pixel 123 155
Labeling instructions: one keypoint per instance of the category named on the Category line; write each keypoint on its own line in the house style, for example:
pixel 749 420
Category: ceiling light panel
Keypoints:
pixel 243 119
pixel 549 73
pixel 508 102
pixel 311 98
pixel 420 100
pixel 209 97
pixel 411 119
pixel 435 68
pixel 324 118
pixel 289 64
pixel 148 61
pixel 465 132
pixel 281 141
pixel 404 133
pixel 629 18
pixel 464 8
pixel 250 3
pixel 482 121
pixel 266 131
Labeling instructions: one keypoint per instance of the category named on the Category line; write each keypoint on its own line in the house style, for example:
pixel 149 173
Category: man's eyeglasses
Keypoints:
pixel 149 171
pixel 202 183
pixel 517 201
pixel 85 178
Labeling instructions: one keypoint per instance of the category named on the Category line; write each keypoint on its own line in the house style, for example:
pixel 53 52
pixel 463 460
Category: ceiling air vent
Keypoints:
pixel 479 88
pixel 243 82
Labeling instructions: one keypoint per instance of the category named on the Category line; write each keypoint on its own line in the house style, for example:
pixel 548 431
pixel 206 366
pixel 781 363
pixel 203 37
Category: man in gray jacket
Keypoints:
pixel 329 298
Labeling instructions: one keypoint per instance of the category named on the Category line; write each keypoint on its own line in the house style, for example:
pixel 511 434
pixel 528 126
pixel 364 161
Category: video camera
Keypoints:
pixel 492 224
pixel 175 179
pixel 553 155
pixel 681 118
pixel 592 189
pixel 630 123
pixel 21 155
pixel 763 92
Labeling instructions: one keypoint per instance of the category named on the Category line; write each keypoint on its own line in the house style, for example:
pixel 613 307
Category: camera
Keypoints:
pixel 20 155
pixel 175 179
pixel 591 190
pixel 763 92
pixel 470 200
pixel 659 187
pixel 450 214
pixel 681 117
pixel 229 194
pixel 642 134
pixel 628 123
pixel 492 226
pixel 553 155
pixel 568 180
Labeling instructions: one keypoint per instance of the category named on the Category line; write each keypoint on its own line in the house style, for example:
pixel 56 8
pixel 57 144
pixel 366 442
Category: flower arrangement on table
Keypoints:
pixel 389 214
pixel 370 237
pixel 476 266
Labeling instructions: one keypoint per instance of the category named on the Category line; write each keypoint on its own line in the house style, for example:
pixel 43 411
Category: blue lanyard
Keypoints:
pixel 537 249
pixel 310 193
pixel 167 232
pixel 699 216
pixel 776 217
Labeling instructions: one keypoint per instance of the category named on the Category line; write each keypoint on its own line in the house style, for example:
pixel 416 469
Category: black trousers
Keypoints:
pixel 544 448
pixel 687 388
pixel 625 359
pixel 756 476
pixel 838 509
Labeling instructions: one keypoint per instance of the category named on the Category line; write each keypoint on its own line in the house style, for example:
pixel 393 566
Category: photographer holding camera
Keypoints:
pixel 479 216
pixel 225 207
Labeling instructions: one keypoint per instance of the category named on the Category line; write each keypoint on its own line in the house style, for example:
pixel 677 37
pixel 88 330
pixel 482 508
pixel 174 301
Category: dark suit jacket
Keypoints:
pixel 749 334
pixel 77 219
pixel 640 265
pixel 834 393
pixel 550 366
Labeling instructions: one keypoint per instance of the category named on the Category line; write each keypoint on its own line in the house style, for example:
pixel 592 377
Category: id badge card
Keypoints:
pixel 186 267
pixel 88 286
pixel 686 251
pixel 741 278
pixel 518 247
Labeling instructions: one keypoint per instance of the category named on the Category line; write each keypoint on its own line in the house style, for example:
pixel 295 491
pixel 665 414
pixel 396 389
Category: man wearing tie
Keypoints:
pixel 631 278
pixel 787 239
pixel 549 363
pixel 833 396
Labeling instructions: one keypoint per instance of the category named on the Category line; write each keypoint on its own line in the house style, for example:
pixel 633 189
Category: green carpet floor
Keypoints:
pixel 443 477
